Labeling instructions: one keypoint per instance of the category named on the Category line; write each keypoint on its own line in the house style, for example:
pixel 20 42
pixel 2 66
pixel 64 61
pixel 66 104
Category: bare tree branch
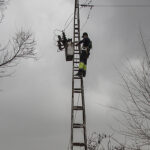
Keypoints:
pixel 137 84
pixel 3 6
pixel 21 46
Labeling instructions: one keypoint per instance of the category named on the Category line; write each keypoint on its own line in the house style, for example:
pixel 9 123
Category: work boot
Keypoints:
pixel 84 73
pixel 80 73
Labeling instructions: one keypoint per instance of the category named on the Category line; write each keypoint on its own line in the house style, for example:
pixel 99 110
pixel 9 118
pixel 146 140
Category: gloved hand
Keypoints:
pixel 77 44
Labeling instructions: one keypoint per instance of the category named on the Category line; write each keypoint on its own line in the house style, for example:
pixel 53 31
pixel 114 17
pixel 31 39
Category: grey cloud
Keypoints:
pixel 36 100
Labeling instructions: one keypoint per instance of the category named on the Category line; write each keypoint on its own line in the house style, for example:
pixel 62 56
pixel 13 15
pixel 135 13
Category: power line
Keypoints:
pixel 88 4
pixel 90 1
pixel 88 17
pixel 85 1
pixel 70 18
pixel 67 25
pixel 104 5
pixel 113 5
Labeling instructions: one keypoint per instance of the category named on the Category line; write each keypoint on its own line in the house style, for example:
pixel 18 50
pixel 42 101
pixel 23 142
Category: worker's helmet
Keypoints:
pixel 84 34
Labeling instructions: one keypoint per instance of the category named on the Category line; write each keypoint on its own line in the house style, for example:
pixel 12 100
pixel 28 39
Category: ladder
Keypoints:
pixel 78 116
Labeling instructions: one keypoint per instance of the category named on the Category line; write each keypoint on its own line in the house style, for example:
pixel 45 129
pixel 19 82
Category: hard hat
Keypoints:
pixel 84 34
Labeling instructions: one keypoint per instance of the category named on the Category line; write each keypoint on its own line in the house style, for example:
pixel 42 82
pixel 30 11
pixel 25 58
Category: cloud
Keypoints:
pixel 36 100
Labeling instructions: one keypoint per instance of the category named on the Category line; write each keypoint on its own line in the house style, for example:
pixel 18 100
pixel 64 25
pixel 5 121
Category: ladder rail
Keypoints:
pixel 79 90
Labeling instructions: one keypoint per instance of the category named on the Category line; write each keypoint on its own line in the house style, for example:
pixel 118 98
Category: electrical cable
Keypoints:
pixel 71 16
pixel 88 17
pixel 72 19
pixel 68 24
pixel 90 1
pixel 85 1
pixel 91 6
pixel 87 4
pixel 103 5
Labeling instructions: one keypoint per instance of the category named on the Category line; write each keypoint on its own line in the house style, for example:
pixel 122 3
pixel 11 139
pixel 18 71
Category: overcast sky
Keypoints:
pixel 35 102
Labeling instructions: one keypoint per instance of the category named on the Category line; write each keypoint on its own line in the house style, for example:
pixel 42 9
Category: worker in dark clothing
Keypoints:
pixel 85 52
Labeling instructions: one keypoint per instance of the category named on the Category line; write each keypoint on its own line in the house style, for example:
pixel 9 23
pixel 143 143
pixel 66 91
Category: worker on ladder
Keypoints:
pixel 85 52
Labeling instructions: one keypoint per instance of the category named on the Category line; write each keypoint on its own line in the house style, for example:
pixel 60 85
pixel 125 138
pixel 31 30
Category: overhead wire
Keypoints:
pixel 113 5
pixel 90 1
pixel 104 5
pixel 89 13
pixel 66 27
pixel 87 4
pixel 88 17
pixel 67 23
pixel 85 1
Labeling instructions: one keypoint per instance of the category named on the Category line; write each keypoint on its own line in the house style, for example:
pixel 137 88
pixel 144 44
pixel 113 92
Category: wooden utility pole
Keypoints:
pixel 78 116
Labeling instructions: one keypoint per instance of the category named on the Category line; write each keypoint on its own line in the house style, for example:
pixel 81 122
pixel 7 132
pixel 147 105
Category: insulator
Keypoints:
pixel 59 38
pixel 64 36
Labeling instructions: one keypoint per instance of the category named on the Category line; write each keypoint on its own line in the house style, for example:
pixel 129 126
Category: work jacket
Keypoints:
pixel 86 42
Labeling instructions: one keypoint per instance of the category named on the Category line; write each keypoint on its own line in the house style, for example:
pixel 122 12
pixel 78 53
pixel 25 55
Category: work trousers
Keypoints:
pixel 83 60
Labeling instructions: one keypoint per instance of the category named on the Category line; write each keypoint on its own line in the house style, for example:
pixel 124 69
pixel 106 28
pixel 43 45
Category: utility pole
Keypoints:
pixel 72 53
pixel 78 116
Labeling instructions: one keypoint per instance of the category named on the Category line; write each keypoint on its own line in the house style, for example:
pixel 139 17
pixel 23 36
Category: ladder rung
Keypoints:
pixel 76 58
pixel 78 125
pixel 78 144
pixel 75 67
pixel 77 77
pixel 78 108
pixel 76 70
pixel 77 90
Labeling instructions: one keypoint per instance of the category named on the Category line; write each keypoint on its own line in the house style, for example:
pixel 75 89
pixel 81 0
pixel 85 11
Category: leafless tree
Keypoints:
pixel 137 103
pixel 21 46
pixel 104 142
pixel 3 5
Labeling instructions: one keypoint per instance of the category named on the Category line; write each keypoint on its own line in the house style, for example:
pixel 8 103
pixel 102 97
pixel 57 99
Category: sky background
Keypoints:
pixel 35 102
